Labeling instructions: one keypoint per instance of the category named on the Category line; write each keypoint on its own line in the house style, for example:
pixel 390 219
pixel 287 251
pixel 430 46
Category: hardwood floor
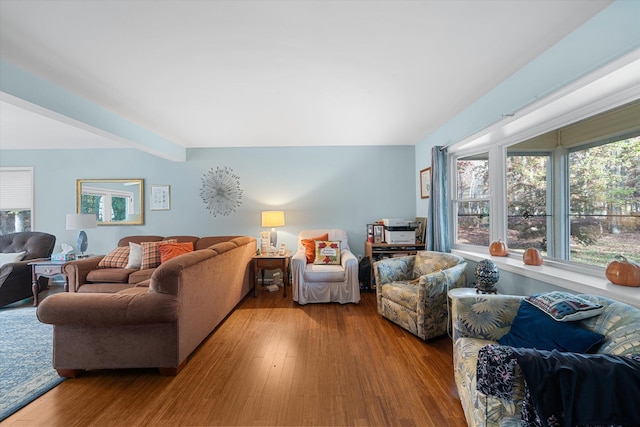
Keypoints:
pixel 274 363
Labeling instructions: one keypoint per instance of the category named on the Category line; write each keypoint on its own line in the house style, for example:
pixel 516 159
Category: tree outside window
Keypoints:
pixel 604 200
pixel 527 205
pixel 472 200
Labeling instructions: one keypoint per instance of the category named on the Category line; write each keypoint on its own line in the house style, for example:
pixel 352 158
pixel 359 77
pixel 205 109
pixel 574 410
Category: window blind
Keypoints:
pixel 16 189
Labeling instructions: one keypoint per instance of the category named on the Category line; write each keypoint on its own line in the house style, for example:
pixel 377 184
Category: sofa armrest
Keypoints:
pixel 443 280
pixel 96 309
pixel 298 261
pixel 77 271
pixel 487 317
pixel 348 259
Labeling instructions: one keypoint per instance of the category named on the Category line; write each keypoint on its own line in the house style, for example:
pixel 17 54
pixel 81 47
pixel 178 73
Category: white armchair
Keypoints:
pixel 314 283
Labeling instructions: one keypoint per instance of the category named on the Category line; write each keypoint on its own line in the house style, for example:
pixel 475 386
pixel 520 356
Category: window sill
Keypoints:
pixel 555 274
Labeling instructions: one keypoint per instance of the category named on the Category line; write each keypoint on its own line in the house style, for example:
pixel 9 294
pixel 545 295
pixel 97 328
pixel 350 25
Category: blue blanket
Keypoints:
pixel 566 389
pixel 580 389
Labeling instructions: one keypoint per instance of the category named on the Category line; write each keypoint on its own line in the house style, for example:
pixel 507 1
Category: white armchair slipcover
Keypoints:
pixel 325 283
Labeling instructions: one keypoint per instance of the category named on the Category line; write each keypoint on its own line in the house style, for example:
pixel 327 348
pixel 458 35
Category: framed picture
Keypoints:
pixel 378 233
pixel 425 183
pixel 369 232
pixel 421 231
pixel 160 198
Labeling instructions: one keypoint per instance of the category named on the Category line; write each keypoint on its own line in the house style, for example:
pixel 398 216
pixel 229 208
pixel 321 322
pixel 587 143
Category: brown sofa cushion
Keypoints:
pixel 138 239
pixel 141 275
pixel 110 275
pixel 127 308
pixel 143 284
pixel 103 288
pixel 205 242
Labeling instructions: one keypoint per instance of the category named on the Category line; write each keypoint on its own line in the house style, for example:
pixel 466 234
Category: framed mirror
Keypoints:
pixel 114 201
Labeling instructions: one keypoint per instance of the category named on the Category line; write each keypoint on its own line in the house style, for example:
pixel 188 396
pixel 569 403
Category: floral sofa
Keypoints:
pixel 479 321
pixel 412 290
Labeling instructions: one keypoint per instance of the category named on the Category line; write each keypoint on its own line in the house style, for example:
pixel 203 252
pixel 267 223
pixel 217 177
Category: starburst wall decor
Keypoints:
pixel 221 191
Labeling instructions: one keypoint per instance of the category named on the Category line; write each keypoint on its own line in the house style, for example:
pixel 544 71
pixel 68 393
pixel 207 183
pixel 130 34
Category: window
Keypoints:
pixel 472 200
pixel 573 193
pixel 16 199
pixel 527 201
pixel 604 201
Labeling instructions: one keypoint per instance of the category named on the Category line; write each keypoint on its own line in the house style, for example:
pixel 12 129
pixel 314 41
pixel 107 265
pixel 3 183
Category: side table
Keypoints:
pixel 271 262
pixel 47 269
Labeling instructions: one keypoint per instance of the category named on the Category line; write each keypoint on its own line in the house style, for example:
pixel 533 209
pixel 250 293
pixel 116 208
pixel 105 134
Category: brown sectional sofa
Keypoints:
pixel 157 326
pixel 83 275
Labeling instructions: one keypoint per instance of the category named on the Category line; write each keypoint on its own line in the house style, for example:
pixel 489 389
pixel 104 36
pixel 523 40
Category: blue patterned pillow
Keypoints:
pixel 532 328
pixel 565 307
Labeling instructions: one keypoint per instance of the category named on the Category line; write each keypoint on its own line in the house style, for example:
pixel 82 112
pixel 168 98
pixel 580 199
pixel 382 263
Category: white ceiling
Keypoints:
pixel 271 73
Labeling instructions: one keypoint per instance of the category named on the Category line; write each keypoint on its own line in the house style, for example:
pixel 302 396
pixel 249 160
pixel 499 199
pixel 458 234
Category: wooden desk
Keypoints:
pixel 47 269
pixel 271 262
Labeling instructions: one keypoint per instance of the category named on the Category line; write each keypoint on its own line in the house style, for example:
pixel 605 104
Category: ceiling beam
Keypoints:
pixel 37 95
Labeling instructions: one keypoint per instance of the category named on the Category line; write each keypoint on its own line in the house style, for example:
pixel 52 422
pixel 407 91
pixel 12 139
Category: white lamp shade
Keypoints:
pixel 272 218
pixel 81 221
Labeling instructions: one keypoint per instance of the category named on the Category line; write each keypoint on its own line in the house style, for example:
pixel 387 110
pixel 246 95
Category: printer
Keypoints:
pixel 399 231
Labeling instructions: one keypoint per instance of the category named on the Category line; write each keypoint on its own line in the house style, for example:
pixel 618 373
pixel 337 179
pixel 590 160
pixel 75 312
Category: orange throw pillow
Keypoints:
pixel 172 250
pixel 310 246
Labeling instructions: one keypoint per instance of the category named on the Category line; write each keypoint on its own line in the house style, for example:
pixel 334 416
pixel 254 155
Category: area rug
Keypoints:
pixel 26 371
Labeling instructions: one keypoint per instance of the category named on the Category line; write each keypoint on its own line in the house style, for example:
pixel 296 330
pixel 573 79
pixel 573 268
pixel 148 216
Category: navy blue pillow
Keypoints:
pixel 533 328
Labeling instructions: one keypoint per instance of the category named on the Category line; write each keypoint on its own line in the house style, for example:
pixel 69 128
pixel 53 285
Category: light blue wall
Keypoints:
pixel 340 187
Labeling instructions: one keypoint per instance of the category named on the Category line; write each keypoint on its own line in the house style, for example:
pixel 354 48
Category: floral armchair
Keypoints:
pixel 412 290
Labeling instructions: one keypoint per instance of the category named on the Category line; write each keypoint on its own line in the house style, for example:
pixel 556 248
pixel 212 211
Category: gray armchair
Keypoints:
pixel 412 290
pixel 15 277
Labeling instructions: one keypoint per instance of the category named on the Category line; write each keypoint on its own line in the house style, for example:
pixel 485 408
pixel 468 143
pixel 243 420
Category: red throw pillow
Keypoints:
pixel 172 250
pixel 310 246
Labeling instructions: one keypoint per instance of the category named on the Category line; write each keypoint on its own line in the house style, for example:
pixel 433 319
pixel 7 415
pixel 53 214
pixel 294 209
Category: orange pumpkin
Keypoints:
pixel 623 271
pixel 498 248
pixel 531 256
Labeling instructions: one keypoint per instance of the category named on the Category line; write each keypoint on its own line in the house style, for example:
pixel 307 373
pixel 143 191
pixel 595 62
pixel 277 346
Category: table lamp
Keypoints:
pixel 273 219
pixel 81 222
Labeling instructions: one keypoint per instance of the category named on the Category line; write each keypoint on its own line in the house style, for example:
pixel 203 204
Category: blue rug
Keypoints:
pixel 26 370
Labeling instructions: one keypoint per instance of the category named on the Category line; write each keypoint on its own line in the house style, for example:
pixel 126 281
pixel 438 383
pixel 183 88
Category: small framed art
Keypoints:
pixel 421 231
pixel 425 183
pixel 378 233
pixel 160 198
